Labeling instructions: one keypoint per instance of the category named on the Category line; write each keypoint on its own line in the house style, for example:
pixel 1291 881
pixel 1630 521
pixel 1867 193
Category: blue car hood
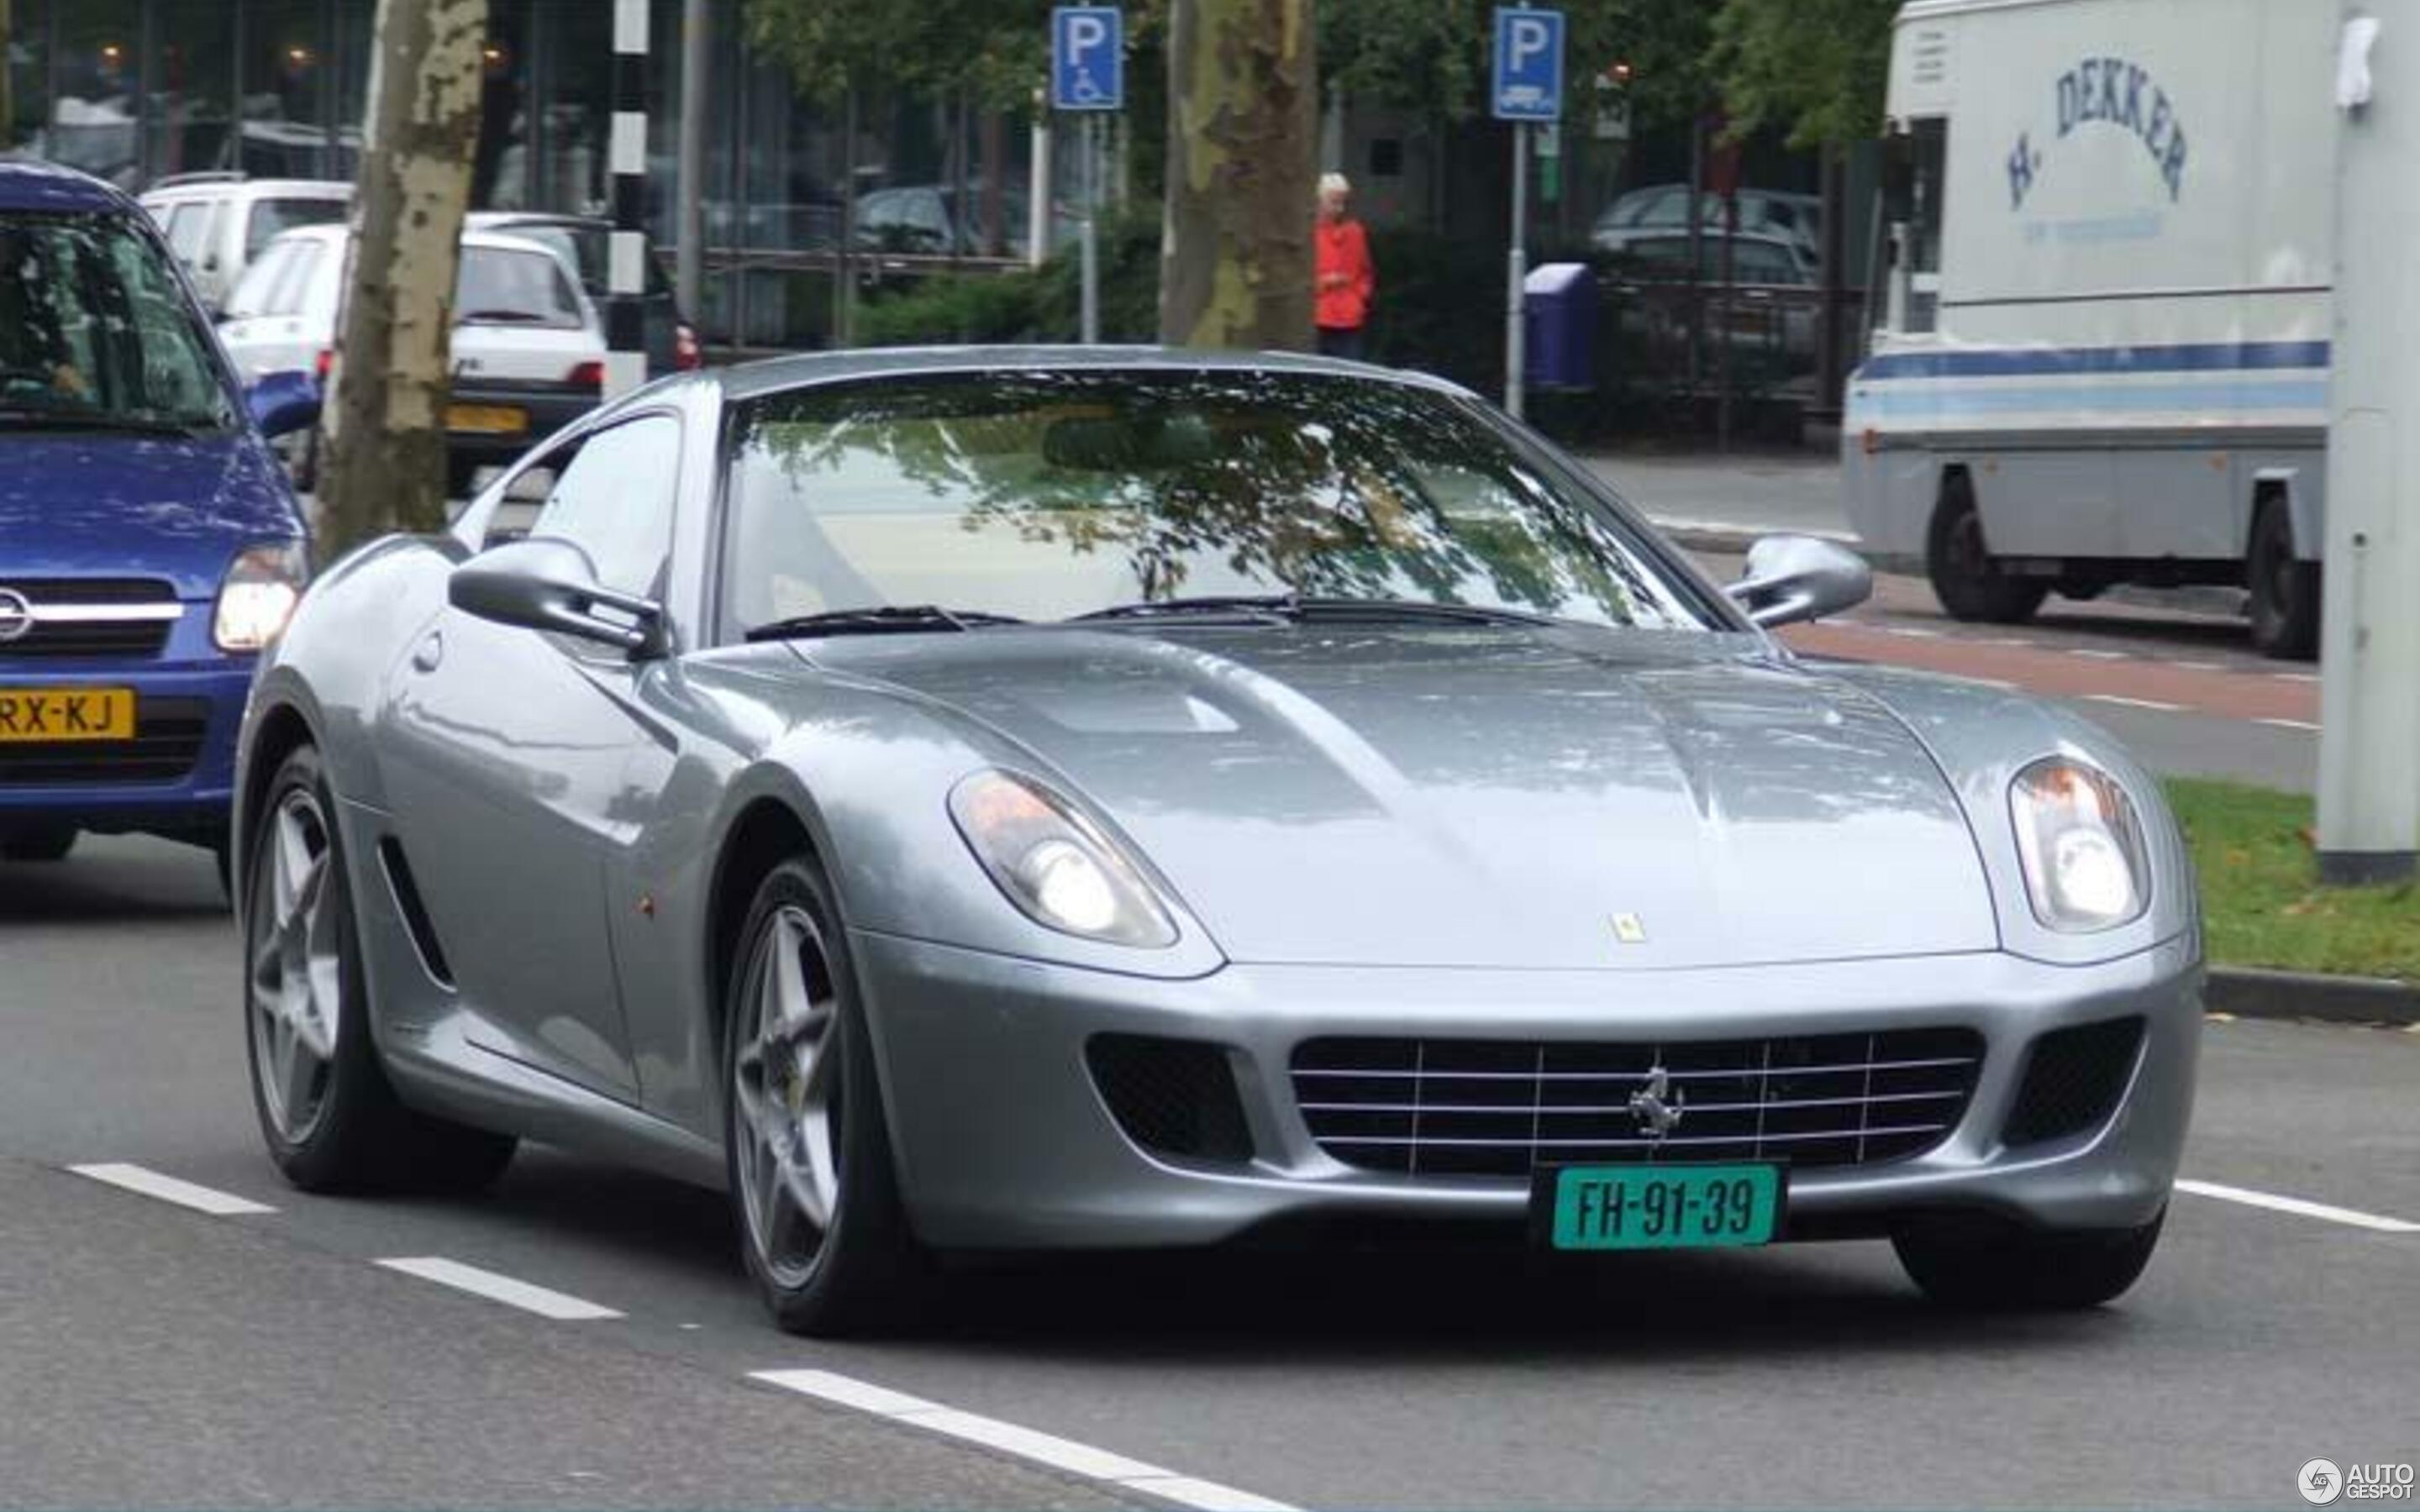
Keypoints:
pixel 85 504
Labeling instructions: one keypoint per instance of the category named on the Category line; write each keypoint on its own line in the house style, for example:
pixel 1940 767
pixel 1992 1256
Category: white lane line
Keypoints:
pixel 2009 641
pixel 1060 1453
pixel 2200 666
pixel 2296 677
pixel 169 1189
pixel 2299 1207
pixel 2290 724
pixel 1912 632
pixel 1986 682
pixel 539 1299
pixel 2099 655
pixel 2134 704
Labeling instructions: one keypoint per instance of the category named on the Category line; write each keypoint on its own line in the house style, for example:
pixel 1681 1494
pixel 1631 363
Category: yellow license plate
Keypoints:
pixel 487 419
pixel 30 714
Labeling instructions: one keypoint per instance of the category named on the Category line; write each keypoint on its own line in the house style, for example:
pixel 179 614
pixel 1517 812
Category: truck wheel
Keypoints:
pixel 2285 589
pixel 1966 578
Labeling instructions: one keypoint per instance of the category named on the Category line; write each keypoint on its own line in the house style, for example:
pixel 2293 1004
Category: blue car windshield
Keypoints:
pixel 1050 495
pixel 97 333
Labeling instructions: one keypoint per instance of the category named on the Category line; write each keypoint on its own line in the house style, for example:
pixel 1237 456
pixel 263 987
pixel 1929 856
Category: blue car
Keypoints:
pixel 149 542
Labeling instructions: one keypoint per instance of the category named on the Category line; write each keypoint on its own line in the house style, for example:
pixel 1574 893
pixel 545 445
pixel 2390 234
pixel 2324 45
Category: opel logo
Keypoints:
pixel 1657 1106
pixel 16 615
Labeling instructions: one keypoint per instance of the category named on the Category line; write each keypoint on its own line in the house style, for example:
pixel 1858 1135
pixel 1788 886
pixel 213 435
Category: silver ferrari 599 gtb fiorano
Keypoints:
pixel 1001 799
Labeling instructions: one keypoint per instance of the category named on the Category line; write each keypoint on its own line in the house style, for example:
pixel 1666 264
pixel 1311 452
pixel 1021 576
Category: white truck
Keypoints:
pixel 2103 352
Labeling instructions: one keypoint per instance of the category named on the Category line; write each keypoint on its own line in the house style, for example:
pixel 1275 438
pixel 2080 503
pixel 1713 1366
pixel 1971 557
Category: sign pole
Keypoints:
pixel 1516 259
pixel 1091 271
pixel 2369 621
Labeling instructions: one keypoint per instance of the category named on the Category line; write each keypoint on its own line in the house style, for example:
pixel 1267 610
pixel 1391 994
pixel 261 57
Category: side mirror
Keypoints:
pixel 282 403
pixel 1792 579
pixel 550 585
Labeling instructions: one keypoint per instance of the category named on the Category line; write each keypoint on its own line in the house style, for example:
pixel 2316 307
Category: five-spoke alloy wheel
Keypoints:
pixel 330 1119
pixel 813 1185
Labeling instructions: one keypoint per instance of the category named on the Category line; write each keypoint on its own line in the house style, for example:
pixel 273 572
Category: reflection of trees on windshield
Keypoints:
pixel 1324 486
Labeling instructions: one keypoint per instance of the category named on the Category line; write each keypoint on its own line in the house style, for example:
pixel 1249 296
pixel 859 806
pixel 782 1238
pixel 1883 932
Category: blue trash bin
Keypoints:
pixel 1558 305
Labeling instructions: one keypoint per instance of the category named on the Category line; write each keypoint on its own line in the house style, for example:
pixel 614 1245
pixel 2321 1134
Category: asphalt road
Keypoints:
pixel 157 1354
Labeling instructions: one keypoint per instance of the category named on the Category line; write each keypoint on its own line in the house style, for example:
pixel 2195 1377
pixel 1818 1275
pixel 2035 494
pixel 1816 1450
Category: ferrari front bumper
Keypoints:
pixel 1004 1139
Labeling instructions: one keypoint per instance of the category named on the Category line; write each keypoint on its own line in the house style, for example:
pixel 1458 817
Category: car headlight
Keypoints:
pixel 1054 864
pixel 2080 844
pixel 258 596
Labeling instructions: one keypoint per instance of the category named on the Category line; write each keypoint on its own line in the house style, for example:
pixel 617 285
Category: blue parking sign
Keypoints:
pixel 1087 59
pixel 1527 84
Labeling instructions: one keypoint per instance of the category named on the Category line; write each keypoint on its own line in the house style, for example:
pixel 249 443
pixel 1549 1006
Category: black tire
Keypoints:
pixel 867 1272
pixel 1966 578
pixel 2284 607
pixel 1991 1266
pixel 40 843
pixel 358 1134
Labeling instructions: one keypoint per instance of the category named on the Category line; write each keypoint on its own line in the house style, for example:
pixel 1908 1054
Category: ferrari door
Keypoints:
pixel 509 755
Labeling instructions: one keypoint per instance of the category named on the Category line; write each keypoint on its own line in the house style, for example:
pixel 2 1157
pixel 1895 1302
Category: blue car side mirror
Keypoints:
pixel 282 403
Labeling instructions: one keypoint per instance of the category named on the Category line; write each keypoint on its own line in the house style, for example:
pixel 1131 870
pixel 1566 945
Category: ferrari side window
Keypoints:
pixel 613 500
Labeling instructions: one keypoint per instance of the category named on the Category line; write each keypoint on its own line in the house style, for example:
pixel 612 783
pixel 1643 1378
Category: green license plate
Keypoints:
pixel 1663 1207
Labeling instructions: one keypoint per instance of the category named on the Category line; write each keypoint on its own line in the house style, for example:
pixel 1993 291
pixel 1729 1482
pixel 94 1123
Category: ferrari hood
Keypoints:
pixel 1482 797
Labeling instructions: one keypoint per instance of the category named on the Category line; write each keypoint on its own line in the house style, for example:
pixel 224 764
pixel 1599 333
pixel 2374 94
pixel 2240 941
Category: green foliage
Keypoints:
pixel 1422 54
pixel 994 49
pixel 1038 306
pixel 1817 66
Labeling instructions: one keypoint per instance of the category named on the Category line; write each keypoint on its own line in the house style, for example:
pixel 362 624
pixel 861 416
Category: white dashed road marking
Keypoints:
pixel 2135 704
pixel 169 1189
pixel 2290 724
pixel 2099 655
pixel 1026 1443
pixel 2300 1208
pixel 2296 677
pixel 503 1289
pixel 2200 666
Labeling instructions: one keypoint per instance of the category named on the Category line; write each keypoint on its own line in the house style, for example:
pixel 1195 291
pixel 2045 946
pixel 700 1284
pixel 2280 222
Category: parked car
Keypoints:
pixel 218 224
pixel 1660 207
pixel 149 545
pixel 529 347
pixel 995 799
pixel 585 243
pixel 927 220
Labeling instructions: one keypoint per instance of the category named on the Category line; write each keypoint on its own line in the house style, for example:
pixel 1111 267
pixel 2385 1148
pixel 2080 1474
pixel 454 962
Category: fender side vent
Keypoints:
pixel 414 912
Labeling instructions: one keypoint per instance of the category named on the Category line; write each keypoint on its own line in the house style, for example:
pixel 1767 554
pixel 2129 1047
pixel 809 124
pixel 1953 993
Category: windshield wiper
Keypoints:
pixel 878 620
pixel 127 424
pixel 1295 608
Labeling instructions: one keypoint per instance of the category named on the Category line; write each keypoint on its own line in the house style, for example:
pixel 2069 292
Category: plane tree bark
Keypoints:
pixel 1243 96
pixel 384 424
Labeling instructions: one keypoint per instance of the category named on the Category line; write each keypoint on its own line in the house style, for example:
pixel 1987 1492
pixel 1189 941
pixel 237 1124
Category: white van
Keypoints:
pixel 2103 355
pixel 218 222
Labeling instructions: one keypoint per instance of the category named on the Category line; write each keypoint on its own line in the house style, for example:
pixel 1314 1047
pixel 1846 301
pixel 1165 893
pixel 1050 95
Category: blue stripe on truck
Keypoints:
pixel 2005 362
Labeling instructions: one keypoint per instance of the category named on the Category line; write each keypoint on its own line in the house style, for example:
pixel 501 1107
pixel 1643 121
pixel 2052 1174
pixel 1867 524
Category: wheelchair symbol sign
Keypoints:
pixel 1087 59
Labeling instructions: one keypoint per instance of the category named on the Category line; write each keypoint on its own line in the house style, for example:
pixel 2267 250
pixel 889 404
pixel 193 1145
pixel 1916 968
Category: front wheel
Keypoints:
pixel 1971 583
pixel 813 1189
pixel 1997 1267
pixel 330 1118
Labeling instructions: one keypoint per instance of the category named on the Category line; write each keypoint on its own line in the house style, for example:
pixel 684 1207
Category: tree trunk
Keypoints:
pixel 386 464
pixel 1243 98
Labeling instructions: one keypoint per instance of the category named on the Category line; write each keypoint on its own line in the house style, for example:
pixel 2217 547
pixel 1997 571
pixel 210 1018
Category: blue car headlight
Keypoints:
pixel 1055 864
pixel 257 596
pixel 2080 844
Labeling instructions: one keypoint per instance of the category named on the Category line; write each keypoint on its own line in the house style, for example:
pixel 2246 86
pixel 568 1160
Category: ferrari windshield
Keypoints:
pixel 1048 495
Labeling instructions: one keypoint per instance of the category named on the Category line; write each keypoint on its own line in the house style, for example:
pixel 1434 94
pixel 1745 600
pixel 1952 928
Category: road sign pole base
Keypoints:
pixel 2367 869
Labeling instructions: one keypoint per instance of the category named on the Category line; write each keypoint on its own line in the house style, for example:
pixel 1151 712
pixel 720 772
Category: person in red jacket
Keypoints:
pixel 1346 279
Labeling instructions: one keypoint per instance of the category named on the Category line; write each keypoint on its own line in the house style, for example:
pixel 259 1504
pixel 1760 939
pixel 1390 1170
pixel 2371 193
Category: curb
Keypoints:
pixel 2249 992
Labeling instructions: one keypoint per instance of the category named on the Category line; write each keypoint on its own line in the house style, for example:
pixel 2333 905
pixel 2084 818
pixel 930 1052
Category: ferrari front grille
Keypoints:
pixel 1504 1107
